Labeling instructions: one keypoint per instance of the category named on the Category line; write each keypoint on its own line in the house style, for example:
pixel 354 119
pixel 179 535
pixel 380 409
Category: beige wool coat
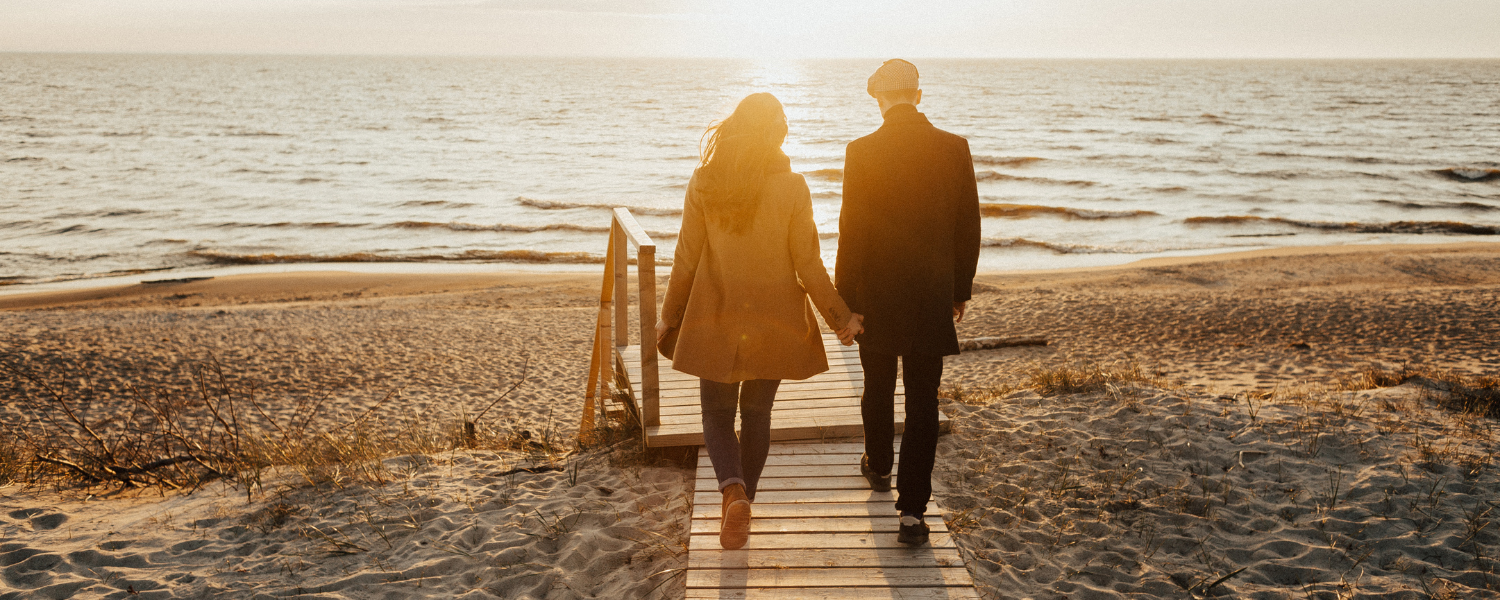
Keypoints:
pixel 741 299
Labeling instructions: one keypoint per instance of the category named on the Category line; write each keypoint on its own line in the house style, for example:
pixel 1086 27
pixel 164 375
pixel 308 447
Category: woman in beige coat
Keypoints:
pixel 747 261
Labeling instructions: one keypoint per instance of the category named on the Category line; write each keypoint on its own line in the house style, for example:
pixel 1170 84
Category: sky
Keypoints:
pixel 764 28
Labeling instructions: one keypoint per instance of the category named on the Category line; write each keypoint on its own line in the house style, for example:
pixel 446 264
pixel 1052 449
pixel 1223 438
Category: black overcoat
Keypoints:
pixel 908 234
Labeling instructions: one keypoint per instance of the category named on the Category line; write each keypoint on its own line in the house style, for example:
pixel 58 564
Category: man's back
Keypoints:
pixel 908 233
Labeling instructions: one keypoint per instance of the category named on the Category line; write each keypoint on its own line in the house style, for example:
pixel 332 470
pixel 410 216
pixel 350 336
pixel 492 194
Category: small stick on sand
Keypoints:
pixel 987 343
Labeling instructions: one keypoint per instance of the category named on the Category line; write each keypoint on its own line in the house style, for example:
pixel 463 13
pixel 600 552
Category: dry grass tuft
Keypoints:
pixel 223 431
pixel 1087 379
pixel 12 460
pixel 975 396
pixel 1477 395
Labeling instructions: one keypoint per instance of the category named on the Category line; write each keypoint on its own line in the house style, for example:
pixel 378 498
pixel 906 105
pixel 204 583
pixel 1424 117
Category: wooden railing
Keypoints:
pixel 606 368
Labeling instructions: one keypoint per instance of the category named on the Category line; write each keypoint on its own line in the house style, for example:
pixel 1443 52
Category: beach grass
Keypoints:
pixel 1461 393
pixel 221 430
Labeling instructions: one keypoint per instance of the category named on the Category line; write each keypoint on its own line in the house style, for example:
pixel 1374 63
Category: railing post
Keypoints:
pixel 645 263
pixel 622 292
pixel 606 354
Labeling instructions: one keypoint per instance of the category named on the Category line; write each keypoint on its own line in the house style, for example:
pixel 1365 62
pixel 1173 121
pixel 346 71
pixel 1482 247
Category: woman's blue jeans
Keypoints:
pixel 738 459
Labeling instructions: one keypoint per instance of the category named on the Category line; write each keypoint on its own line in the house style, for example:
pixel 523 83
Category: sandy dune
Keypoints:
pixel 1148 493
pixel 1140 492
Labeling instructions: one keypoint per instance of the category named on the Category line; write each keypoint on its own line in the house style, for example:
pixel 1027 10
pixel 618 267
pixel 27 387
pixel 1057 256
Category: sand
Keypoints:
pixel 465 525
pixel 1182 507
pixel 1150 493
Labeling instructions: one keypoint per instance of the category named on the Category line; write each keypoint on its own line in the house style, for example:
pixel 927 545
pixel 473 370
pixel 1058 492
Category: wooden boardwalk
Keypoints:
pixel 822 407
pixel 818 533
pixel 818 530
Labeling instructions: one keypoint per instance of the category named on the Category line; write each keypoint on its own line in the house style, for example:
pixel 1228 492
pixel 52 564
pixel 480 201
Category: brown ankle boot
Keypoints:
pixel 734 526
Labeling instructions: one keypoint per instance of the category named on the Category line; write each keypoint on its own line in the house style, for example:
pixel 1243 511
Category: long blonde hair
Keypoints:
pixel 738 154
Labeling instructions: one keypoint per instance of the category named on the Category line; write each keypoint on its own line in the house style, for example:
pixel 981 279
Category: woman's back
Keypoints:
pixel 739 289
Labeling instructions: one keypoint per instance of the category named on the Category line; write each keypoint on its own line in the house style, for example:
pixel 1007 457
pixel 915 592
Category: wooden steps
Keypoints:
pixel 824 406
pixel 818 532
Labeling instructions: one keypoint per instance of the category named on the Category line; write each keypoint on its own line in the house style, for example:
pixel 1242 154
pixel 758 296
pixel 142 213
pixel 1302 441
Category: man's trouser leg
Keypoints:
pixel 922 375
pixel 877 408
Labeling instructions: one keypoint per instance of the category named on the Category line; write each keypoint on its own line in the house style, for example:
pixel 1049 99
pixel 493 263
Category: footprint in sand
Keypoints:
pixel 39 519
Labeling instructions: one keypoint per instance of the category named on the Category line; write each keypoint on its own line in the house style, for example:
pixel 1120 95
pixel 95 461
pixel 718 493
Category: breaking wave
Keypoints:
pixel 1415 227
pixel 825 174
pixel 1467 175
pixel 1446 205
pixel 437 203
pixel 530 256
pixel 455 226
pixel 1025 243
pixel 997 176
pixel 289 224
pixel 1022 211
pixel 560 205
pixel 1059 248
pixel 1006 161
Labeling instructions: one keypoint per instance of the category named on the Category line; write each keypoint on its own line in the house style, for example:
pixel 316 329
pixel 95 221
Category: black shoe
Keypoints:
pixel 879 483
pixel 913 531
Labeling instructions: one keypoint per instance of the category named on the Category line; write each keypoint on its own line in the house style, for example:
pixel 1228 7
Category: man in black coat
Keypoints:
pixel 908 248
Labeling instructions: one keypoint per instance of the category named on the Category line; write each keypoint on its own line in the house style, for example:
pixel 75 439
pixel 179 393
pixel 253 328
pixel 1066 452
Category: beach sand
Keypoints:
pixel 1162 499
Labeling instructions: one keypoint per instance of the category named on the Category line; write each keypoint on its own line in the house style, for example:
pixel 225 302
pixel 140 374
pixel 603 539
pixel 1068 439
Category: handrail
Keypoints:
pixel 614 307
pixel 634 231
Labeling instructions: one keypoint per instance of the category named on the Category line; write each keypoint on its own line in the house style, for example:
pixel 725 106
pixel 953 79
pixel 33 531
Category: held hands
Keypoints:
pixel 661 330
pixel 958 311
pixel 855 327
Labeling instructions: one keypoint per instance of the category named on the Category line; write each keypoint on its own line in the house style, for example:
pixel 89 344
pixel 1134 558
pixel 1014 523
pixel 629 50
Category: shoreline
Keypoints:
pixel 408 278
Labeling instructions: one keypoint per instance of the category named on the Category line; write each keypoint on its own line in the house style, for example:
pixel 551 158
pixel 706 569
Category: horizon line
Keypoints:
pixel 731 57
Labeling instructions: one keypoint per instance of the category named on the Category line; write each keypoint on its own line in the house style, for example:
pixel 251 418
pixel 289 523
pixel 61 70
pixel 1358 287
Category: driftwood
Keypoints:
pixel 986 343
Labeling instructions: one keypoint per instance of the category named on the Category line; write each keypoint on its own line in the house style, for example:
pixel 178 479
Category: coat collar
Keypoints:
pixel 904 114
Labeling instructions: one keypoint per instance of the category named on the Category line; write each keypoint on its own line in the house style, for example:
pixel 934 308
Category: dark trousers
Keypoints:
pixel 922 374
pixel 738 459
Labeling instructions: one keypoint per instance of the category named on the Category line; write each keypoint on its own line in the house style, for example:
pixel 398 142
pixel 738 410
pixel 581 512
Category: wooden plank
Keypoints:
pixel 783 429
pixel 845 467
pixel 921 556
pixel 606 293
pixel 880 508
pixel 835 351
pixel 777 414
pixel 650 376
pixel 852 447
pixel 632 356
pixel 622 292
pixel 805 497
pixel 797 460
pixel 804 541
pixel 812 394
pixel 586 422
pixel 854 381
pixel 847 370
pixel 673 380
pixel 831 401
pixel 633 230
pixel 781 484
pixel 824 380
pixel 834 577
pixel 939 593
pixel 830 343
pixel 662 436
pixel 760 525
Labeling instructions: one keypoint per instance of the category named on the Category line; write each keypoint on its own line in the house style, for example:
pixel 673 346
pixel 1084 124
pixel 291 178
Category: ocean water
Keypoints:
pixel 122 163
